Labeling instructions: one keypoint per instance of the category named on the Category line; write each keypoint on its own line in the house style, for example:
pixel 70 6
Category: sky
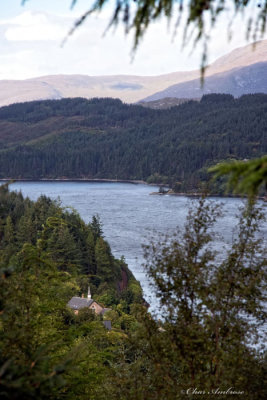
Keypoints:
pixel 31 37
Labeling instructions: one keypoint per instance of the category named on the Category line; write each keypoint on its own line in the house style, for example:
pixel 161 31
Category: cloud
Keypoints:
pixel 30 47
pixel 34 26
pixel 16 64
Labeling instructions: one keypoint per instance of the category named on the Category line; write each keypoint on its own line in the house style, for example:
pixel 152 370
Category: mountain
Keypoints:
pixel 104 138
pixel 128 88
pixel 239 81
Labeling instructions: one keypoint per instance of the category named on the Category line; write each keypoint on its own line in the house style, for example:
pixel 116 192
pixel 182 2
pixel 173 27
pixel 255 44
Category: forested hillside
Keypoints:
pixel 237 82
pixel 212 310
pixel 47 255
pixel 104 138
pixel 60 237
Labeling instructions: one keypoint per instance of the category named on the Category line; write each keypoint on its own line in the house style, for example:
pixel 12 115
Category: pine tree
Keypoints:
pixel 63 249
pixel 104 260
pixel 9 240
pixel 96 227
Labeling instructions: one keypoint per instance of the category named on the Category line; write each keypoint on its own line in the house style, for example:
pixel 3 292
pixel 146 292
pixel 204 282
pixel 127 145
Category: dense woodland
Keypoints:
pixel 104 138
pixel 47 255
pixel 208 336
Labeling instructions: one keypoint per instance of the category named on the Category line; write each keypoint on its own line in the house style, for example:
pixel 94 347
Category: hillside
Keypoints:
pixel 48 256
pixel 165 102
pixel 74 247
pixel 126 87
pixel 104 138
pixel 52 350
pixel 237 82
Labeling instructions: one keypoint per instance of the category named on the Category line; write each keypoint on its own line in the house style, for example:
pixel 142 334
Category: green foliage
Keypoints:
pixel 109 298
pixel 96 227
pixel 62 238
pixel 32 296
pixel 133 292
pixel 161 146
pixel 156 178
pixel 46 351
pixel 213 306
pixel 244 177
pixel 212 310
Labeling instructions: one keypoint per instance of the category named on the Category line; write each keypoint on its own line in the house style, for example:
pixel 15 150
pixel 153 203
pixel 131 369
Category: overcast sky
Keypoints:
pixel 30 38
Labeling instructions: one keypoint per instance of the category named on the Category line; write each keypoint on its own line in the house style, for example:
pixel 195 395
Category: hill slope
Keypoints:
pixel 126 87
pixel 239 81
pixel 103 138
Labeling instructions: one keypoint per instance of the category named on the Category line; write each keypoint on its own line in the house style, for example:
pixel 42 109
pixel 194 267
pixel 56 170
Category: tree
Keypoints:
pixel 9 244
pixel 96 227
pixel 26 230
pixel 104 260
pixel 244 177
pixel 91 261
pixel 213 307
pixel 57 240
pixel 174 145
pixel 32 297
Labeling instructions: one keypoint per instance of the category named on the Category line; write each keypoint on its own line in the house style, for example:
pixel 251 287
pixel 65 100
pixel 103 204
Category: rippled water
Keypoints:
pixel 130 215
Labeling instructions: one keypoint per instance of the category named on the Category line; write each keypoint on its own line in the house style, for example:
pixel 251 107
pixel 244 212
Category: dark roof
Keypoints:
pixel 107 325
pixel 77 303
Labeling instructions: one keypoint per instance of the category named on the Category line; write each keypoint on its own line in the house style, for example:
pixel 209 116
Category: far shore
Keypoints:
pixel 197 195
pixel 132 181
pixel 136 182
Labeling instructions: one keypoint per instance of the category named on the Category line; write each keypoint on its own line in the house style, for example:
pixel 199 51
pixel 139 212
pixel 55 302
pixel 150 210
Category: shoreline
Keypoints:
pixel 131 181
pixel 96 180
pixel 196 195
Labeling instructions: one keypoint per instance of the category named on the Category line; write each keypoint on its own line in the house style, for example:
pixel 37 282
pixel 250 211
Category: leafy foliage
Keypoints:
pixel 244 177
pixel 213 306
pixel 212 309
pixel 48 352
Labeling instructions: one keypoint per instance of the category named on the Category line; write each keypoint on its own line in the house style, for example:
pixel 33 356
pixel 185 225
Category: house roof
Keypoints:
pixel 77 303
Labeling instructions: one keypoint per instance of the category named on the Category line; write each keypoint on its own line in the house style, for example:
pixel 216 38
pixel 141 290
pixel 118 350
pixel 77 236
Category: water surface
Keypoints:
pixel 130 215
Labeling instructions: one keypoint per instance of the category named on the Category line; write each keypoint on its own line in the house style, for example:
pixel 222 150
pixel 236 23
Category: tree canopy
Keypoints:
pixel 209 335
pixel 104 138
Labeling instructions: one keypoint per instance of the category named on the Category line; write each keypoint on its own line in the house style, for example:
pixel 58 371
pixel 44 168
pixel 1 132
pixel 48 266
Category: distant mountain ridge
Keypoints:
pixel 237 82
pixel 128 88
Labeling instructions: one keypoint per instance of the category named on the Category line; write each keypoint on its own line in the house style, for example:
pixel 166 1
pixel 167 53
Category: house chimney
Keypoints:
pixel 89 294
